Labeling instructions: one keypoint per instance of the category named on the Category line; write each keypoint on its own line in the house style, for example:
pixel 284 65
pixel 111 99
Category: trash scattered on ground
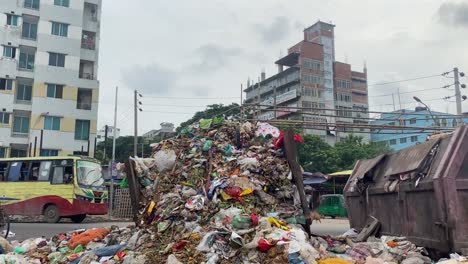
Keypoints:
pixel 221 192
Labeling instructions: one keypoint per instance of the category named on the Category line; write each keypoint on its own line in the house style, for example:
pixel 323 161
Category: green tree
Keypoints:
pixel 123 149
pixel 316 155
pixel 212 111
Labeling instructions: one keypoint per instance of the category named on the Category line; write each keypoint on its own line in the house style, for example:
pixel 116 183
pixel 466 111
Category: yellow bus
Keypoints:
pixel 55 187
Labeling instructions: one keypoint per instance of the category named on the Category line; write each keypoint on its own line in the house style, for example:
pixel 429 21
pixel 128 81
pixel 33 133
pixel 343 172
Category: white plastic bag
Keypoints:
pixel 165 159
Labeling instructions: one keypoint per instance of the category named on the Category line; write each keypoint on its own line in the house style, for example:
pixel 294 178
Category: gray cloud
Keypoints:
pixel 150 79
pixel 276 31
pixel 454 14
pixel 214 57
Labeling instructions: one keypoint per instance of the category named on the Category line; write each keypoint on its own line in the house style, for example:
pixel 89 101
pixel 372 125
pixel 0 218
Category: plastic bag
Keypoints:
pixel 124 183
pixel 248 163
pixel 265 129
pixel 241 221
pixel 205 123
pixel 204 246
pixel 165 159
pixel 195 203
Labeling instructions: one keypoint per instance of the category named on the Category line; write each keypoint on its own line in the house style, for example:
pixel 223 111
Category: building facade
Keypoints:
pixel 419 117
pixel 48 76
pixel 312 87
pixel 167 130
pixel 101 133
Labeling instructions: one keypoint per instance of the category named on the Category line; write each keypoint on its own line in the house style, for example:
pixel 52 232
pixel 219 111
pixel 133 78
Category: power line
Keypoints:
pixel 407 80
pixel 348 110
pixel 191 98
pixel 421 90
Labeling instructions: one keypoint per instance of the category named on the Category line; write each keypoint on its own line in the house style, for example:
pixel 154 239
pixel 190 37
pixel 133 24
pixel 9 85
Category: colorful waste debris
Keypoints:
pixel 221 192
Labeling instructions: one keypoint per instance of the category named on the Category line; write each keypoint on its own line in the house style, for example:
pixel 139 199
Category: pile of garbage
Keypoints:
pixel 220 192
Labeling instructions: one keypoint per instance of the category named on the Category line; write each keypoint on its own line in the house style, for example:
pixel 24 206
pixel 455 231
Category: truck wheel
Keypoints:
pixel 51 214
pixel 333 217
pixel 78 218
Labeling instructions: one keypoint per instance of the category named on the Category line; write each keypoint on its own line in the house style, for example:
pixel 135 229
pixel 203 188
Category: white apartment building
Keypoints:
pixel 48 77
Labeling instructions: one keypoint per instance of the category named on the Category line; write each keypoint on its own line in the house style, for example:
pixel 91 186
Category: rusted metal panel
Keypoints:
pixel 431 214
pixel 408 159
pixel 365 166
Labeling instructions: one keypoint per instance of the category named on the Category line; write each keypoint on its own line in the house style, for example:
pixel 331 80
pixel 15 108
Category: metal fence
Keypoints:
pixel 122 204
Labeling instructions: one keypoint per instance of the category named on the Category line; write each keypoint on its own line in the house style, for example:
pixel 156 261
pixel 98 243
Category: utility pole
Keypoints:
pixel 113 168
pixel 241 102
pixel 274 101
pixel 458 98
pixel 106 127
pixel 135 136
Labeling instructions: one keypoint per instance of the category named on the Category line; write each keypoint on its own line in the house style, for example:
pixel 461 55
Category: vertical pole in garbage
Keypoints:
pixel 291 155
pixel 135 139
pixel 112 168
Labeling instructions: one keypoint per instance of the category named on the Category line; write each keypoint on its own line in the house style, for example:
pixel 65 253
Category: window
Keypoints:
pixel 29 31
pixel 344 111
pixel 52 123
pixel 33 4
pixel 26 61
pixel 402 140
pixel 21 125
pixel 343 84
pixel 5 118
pixel 414 138
pixel 59 29
pixel 312 106
pixel 88 40
pixel 54 90
pixel 312 78
pixel 82 129
pixel 392 141
pixel 44 170
pixel 2 155
pixel 12 20
pixel 391 124
pixel 343 97
pixel 312 65
pixel 307 91
pixel 6 84
pixel 17 153
pixel 65 3
pixel 23 93
pixel 84 99
pixel 9 52
pixel 444 122
pixel 412 121
pixel 56 59
pixel 49 153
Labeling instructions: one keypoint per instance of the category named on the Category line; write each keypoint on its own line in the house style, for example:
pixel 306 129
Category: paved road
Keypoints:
pixel 30 230
pixel 330 227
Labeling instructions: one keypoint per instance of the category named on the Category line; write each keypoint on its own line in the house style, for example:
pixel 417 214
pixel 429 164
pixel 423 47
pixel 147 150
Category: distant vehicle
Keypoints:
pixel 332 205
pixel 55 187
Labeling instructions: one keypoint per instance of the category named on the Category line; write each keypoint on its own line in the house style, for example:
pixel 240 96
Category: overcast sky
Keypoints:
pixel 169 50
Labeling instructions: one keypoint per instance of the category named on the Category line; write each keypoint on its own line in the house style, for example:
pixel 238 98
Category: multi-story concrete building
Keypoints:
pixel 48 76
pixel 314 88
pixel 101 133
pixel 419 118
pixel 167 130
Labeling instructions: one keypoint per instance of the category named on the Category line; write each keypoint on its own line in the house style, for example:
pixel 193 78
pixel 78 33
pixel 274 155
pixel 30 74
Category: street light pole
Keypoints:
pixel 428 109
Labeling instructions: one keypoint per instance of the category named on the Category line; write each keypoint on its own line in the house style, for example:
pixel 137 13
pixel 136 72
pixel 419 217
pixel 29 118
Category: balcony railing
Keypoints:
pixel 88 44
pixel 88 76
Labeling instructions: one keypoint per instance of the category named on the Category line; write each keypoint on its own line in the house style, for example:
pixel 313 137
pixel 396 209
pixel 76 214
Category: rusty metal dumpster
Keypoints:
pixel 420 192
